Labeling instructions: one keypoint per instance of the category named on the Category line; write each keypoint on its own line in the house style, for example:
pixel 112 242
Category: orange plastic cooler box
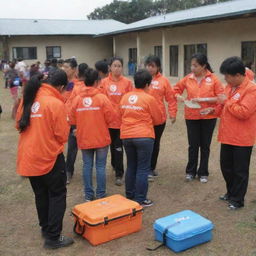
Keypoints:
pixel 106 219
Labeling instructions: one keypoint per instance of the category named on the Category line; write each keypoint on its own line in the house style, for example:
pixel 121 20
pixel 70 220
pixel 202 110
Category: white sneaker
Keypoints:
pixel 203 179
pixel 189 177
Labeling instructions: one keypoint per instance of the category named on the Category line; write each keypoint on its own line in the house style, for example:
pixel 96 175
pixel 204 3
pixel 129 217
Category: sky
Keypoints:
pixel 49 9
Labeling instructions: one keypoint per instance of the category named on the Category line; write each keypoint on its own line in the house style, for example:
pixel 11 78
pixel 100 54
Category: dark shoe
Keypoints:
pixel 234 206
pixel 44 234
pixel 224 197
pixel 147 203
pixel 119 182
pixel 63 241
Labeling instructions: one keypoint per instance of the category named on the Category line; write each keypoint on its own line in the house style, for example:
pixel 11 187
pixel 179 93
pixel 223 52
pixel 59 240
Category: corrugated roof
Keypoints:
pixel 57 27
pixel 204 13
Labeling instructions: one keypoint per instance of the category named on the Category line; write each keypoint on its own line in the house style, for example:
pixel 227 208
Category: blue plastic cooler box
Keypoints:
pixel 183 230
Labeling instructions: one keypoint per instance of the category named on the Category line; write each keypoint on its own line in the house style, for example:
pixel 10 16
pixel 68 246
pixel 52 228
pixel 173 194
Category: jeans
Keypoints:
pixel 116 149
pixel 50 196
pixel 138 152
pixel 199 136
pixel 88 159
pixel 235 163
pixel 72 152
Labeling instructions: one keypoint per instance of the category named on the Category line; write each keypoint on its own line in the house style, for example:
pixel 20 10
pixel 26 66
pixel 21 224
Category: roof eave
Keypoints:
pixel 182 22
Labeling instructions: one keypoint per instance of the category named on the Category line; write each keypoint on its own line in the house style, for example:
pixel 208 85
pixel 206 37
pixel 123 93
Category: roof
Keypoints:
pixel 57 27
pixel 204 13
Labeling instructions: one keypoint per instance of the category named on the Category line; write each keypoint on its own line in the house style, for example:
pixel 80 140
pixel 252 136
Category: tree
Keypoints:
pixel 134 10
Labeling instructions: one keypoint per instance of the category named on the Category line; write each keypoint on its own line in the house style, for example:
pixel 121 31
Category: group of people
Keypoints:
pixel 93 109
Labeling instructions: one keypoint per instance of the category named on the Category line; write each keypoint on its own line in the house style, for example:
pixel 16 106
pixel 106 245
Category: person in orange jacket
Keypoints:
pixel 202 88
pixel 237 127
pixel 42 123
pixel 92 112
pixel 115 86
pixel 161 89
pixel 70 67
pixel 140 112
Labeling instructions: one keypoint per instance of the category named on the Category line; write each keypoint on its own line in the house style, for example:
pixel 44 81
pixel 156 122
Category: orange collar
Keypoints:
pixel 47 89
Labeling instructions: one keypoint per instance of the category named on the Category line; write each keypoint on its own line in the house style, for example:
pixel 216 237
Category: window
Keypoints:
pixel 190 50
pixel 25 53
pixel 174 57
pixel 158 51
pixel 249 53
pixel 133 55
pixel 53 52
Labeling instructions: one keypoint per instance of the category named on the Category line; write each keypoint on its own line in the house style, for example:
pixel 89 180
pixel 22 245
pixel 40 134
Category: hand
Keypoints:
pixel 173 120
pixel 207 111
pixel 180 98
pixel 221 98
pixel 74 132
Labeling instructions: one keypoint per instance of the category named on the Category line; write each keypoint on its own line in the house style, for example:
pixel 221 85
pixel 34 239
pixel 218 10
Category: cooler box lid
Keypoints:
pixel 183 225
pixel 107 209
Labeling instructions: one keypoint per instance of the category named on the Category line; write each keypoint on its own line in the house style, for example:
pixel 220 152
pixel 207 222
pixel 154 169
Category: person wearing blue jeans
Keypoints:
pixel 139 112
pixel 88 159
pixel 138 151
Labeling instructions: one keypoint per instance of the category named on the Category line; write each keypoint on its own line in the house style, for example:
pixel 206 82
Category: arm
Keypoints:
pixel 60 123
pixel 110 114
pixel 156 113
pixel 172 102
pixel 179 88
pixel 244 108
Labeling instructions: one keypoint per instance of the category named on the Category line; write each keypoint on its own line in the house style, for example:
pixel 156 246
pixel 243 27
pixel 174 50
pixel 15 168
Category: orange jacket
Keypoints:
pixel 115 91
pixel 250 74
pixel 78 85
pixel 210 86
pixel 160 88
pixel 69 88
pixel 92 112
pixel 42 141
pixel 238 116
pixel 140 112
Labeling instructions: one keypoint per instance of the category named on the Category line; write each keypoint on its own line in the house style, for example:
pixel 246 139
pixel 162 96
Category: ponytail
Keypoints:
pixel 30 92
pixel 91 76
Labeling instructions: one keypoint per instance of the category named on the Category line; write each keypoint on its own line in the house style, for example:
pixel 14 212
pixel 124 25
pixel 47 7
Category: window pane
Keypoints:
pixel 249 53
pixel 174 55
pixel 202 48
pixel 158 51
pixel 56 52
pixel 189 50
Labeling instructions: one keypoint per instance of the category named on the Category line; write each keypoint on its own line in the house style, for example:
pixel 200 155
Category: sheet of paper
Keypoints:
pixel 191 104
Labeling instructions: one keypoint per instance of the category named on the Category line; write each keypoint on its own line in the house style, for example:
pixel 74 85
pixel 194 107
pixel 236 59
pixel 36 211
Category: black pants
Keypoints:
pixel 199 136
pixel 50 197
pixel 72 152
pixel 235 162
pixel 116 149
pixel 159 129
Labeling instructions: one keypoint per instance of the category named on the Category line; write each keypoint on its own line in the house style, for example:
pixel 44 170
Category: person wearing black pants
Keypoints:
pixel 203 89
pixel 50 197
pixel 116 149
pixel 71 154
pixel 199 137
pixel 159 129
pixel 235 162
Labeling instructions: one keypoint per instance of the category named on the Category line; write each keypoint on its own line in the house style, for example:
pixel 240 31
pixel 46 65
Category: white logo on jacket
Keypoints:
pixel 113 88
pixel 208 79
pixel 35 107
pixel 155 83
pixel 87 101
pixel 133 99
pixel 236 96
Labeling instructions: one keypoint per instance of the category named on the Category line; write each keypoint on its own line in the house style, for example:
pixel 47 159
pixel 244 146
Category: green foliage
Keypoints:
pixel 134 10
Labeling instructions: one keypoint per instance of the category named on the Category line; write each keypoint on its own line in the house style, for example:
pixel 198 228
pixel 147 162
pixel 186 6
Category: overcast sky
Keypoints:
pixel 49 9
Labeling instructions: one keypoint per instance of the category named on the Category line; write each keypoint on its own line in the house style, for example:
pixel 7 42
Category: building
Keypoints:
pixel 219 30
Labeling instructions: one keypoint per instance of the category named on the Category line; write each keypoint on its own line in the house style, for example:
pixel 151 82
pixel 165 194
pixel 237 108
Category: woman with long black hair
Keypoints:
pixel 42 123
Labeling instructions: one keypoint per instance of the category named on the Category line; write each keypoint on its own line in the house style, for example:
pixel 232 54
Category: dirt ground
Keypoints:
pixel 233 235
